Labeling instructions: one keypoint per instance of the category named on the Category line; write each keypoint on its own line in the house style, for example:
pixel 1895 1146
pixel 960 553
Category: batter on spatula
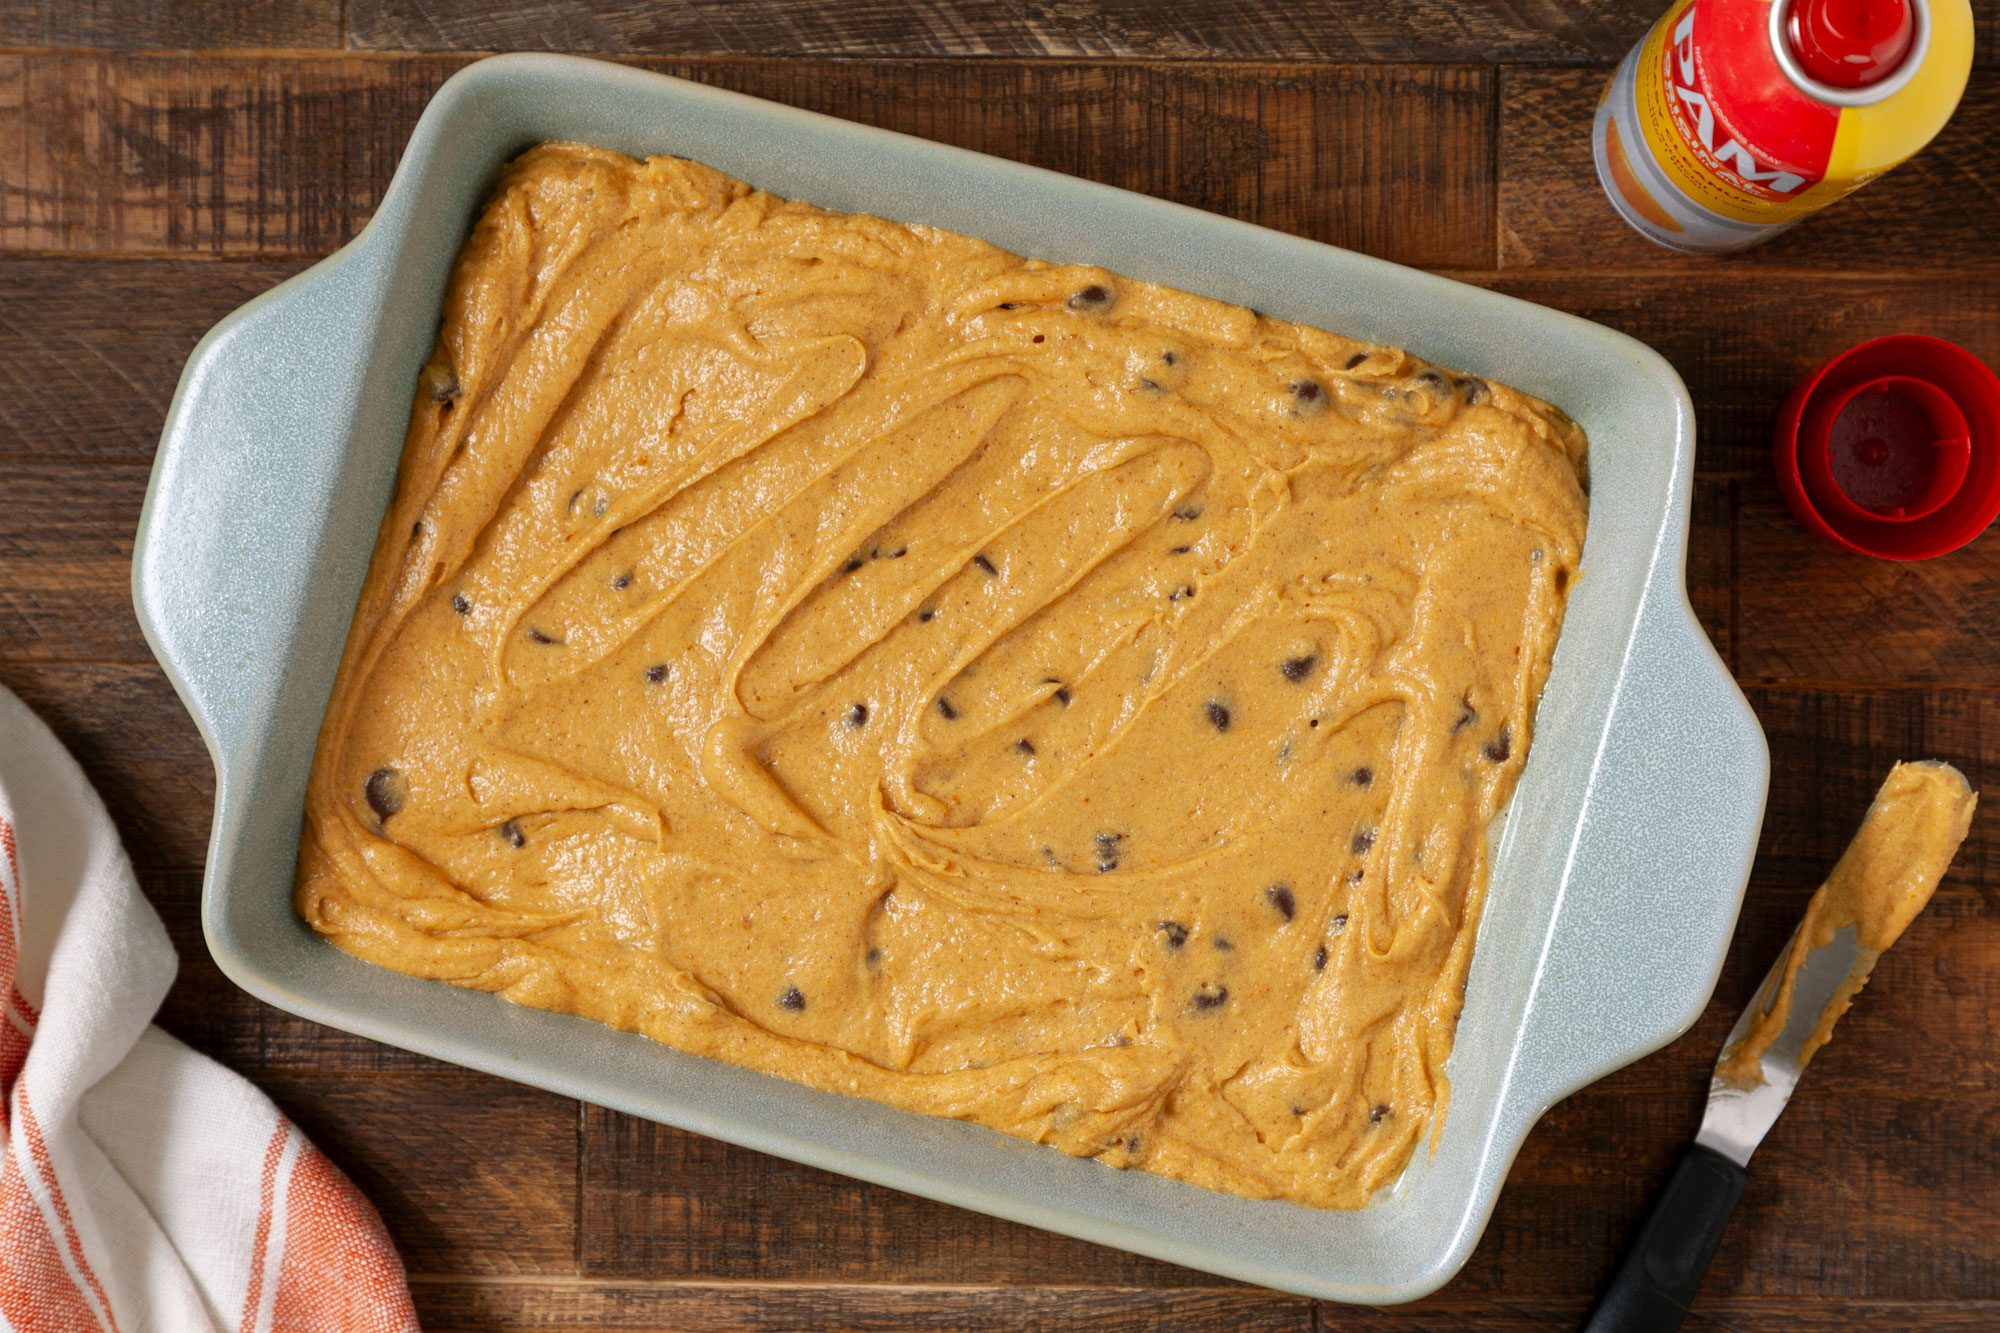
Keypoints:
pixel 1883 879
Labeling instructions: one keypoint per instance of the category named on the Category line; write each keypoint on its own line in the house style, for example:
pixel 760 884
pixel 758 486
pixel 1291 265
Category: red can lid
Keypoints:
pixel 1892 448
pixel 1851 43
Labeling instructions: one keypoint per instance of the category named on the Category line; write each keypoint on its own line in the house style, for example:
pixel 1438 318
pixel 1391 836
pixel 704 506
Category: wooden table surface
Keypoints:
pixel 160 163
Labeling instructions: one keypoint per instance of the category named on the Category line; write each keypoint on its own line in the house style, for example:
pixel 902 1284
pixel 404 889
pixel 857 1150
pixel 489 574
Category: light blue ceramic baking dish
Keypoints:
pixel 1620 865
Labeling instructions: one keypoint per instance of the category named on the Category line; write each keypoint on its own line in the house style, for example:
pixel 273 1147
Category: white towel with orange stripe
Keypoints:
pixel 144 1186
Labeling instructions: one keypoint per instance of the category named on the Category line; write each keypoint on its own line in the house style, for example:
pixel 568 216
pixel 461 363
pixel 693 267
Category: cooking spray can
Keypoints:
pixel 1733 119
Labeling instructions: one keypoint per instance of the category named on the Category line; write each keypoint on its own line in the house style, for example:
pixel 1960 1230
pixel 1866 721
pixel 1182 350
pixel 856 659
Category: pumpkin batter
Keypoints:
pixel 1004 690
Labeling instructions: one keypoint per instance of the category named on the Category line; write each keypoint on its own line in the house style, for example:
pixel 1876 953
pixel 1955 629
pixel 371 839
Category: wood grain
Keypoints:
pixel 1866 620
pixel 1934 213
pixel 658 1202
pixel 693 1307
pixel 1596 31
pixel 1742 354
pixel 279 156
pixel 471 1174
pixel 90 353
pixel 137 745
pixel 1830 750
pixel 66 560
pixel 175 23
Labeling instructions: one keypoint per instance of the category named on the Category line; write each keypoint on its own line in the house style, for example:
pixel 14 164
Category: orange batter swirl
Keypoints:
pixel 1001 689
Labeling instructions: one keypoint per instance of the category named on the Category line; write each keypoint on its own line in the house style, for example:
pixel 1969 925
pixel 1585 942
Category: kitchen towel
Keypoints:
pixel 144 1186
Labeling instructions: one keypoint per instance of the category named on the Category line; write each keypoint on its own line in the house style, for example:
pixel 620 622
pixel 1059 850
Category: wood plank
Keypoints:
pixel 658 1202
pixel 90 352
pixel 691 1307
pixel 472 1175
pixel 184 23
pixel 1739 367
pixel 1831 749
pixel 1448 1313
pixel 1934 213
pixel 1810 611
pixel 276 156
pixel 1419 30
pixel 138 746
pixel 66 561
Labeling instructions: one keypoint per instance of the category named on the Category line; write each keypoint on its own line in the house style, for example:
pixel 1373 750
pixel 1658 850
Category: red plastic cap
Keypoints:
pixel 1851 43
pixel 1892 448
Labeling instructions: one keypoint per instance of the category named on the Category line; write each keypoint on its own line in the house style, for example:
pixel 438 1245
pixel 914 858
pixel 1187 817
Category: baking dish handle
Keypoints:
pixel 225 563
pixel 1675 803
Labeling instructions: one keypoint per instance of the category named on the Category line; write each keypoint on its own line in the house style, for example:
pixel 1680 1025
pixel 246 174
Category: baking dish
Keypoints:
pixel 1620 864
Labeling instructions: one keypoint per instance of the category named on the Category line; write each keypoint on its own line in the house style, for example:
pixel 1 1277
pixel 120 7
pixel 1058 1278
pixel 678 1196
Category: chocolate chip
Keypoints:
pixel 1280 897
pixel 1313 723
pixel 1356 360
pixel 444 389
pixel 899 553
pixel 1430 379
pixel 1061 695
pixel 1363 776
pixel 511 833
pixel 1175 933
pixel 1092 297
pixel 1296 669
pixel 1217 715
pixel 1562 580
pixel 656 673
pixel 1182 593
pixel 1169 357
pixel 1179 550
pixel 1339 923
pixel 1378 1114
pixel 1472 389
pixel 1364 838
pixel 945 710
pixel 385 792
pixel 1039 338
pixel 574 496
pixel 416 530
pixel 924 616
pixel 1211 997
pixel 857 716
pixel 1308 391
pixel 623 580
pixel 538 636
pixel 1025 747
pixel 852 563
pixel 461 603
pixel 1466 717
pixel 1107 851
pixel 1221 944
pixel 1319 959
pixel 874 957
pixel 600 506
pixel 1132 1143
pixel 1009 305
pixel 792 999
pixel 1188 513
pixel 986 566
pixel 1500 747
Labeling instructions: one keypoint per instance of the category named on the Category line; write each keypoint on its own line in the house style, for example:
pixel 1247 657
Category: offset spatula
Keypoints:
pixel 1879 885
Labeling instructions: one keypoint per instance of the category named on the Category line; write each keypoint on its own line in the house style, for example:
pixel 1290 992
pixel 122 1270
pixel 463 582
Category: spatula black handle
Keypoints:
pixel 1656 1283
